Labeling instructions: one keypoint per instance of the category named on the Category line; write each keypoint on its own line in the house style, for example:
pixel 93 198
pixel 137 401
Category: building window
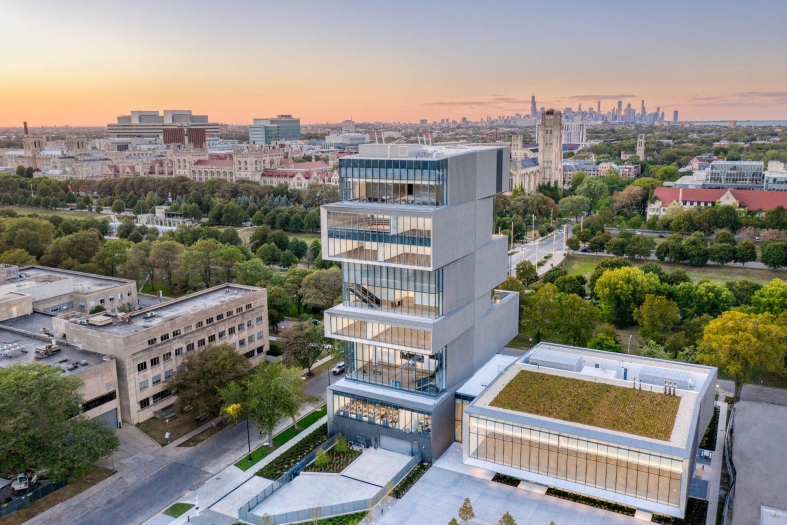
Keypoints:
pixel 161 395
pixel 154 361
pixel 399 290
pixel 209 320
pixel 241 327
pixel 248 306
pixel 259 319
pixel 167 356
pixel 189 347
pixel 199 324
pixel 259 335
pixel 157 379
pixel 212 338
pixel 145 403
pixel 164 337
pixel 92 304
pixel 93 403
pixel 382 414
pixel 222 334
pixel 188 328
pixel 393 368
pixel 201 343
pixel 167 374
pixel 239 310
pixel 231 330
pixel 249 323
pixel 249 354
pixel 128 294
pixel 229 314
pixel 219 317
pixel 176 333
pixel 591 463
pixel 143 384
pixel 141 367
pixel 260 349
pixel 151 341
pixel 234 345
pixel 242 343
pixel 101 301
pixel 111 298
pixel 251 338
pixel 179 351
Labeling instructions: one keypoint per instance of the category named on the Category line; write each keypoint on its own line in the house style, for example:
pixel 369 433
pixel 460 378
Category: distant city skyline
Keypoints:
pixel 84 63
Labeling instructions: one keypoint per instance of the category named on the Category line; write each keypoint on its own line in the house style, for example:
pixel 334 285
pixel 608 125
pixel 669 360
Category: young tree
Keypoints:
pixel 39 428
pixel 17 257
pixel 118 206
pixel 227 257
pixel 303 343
pixel 166 257
pixel 112 255
pixel 656 317
pixel 526 272
pixel 539 314
pixel 293 283
pixel 572 243
pixel 138 264
pixel 295 397
pixel 322 288
pixel 695 250
pixel 574 206
pixel 269 253
pixel 511 284
pixel 507 519
pixel 203 373
pixel 278 305
pixel 745 251
pixel 453 522
pixel 466 511
pixel 774 254
pixel 621 291
pixel 742 345
pixel 639 247
pixel 287 259
pixel 671 249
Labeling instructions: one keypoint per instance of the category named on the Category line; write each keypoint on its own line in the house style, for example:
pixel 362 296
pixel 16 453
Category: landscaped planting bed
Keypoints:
pixel 593 502
pixel 629 410
pixel 709 439
pixel 506 480
pixel 301 449
pixel 178 509
pixel 696 514
pixel 262 452
pixel 410 479
pixel 337 461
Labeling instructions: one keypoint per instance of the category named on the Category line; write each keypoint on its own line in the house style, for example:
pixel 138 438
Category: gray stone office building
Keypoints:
pixel 419 313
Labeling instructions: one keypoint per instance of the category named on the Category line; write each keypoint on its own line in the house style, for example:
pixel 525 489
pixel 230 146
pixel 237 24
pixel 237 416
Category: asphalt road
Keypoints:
pixel 142 499
pixel 545 246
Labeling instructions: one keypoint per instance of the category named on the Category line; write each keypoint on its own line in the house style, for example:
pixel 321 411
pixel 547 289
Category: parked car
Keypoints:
pixel 584 250
pixel 338 369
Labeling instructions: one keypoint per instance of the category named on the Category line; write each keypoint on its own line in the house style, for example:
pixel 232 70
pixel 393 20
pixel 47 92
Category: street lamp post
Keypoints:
pixel 248 436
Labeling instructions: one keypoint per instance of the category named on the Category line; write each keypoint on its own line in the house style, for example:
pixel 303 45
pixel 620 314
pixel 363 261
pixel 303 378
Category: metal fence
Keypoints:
pixel 244 512
pixel 726 515
pixel 339 509
pixel 30 497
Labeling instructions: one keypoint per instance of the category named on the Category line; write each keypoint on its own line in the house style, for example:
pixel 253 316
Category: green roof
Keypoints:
pixel 639 412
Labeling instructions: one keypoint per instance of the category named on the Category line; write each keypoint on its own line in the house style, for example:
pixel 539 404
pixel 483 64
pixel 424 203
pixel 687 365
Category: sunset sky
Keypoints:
pixel 83 62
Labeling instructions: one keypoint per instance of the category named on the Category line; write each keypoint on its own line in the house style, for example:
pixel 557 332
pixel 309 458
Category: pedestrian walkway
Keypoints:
pixel 712 472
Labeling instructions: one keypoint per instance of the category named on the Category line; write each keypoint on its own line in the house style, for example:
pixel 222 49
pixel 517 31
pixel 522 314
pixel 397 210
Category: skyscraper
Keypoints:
pixel 642 112
pixel 675 117
pixel 599 107
pixel 413 231
pixel 620 110
pixel 533 110
pixel 550 147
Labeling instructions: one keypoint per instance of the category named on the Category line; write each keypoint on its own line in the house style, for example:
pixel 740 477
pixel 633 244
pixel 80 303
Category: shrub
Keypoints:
pixel 506 480
pixel 593 502
pixel 298 451
pixel 322 458
pixel 341 445
pixel 410 479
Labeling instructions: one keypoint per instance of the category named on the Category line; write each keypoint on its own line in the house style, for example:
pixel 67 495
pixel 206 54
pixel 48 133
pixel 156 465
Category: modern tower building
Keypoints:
pixel 620 110
pixel 533 108
pixel 550 147
pixel 419 313
pixel 675 117
pixel 270 130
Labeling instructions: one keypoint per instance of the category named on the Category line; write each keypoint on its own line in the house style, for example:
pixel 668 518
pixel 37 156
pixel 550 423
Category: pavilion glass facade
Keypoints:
pixel 383 414
pixel 616 469
pixel 398 290
pixel 394 181
pixel 392 368
pixel 736 173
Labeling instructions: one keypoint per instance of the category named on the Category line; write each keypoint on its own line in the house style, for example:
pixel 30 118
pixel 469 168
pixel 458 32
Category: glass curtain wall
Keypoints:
pixel 417 373
pixel 400 290
pixel 394 181
pixel 646 476
pixel 381 332
pixel 381 238
pixel 382 414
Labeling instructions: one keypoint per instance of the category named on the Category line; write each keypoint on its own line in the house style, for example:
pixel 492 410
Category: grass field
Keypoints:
pixel 24 210
pixel 178 509
pixel 639 412
pixel 97 475
pixel 585 264
pixel 245 234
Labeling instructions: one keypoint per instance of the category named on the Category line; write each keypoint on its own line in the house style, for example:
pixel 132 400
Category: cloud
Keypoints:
pixel 762 94
pixel 497 100
pixel 704 99
pixel 601 97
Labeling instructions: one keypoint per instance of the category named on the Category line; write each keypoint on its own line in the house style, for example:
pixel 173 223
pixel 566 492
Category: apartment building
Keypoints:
pixel 419 314
pixel 149 345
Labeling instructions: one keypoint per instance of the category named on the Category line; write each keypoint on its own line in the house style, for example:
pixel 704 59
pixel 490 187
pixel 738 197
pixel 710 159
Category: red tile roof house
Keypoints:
pixel 687 198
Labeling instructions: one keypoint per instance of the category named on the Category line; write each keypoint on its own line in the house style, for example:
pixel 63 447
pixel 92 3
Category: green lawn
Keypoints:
pixel 178 509
pixel 25 210
pixel 245 235
pixel 263 451
pixel 584 265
